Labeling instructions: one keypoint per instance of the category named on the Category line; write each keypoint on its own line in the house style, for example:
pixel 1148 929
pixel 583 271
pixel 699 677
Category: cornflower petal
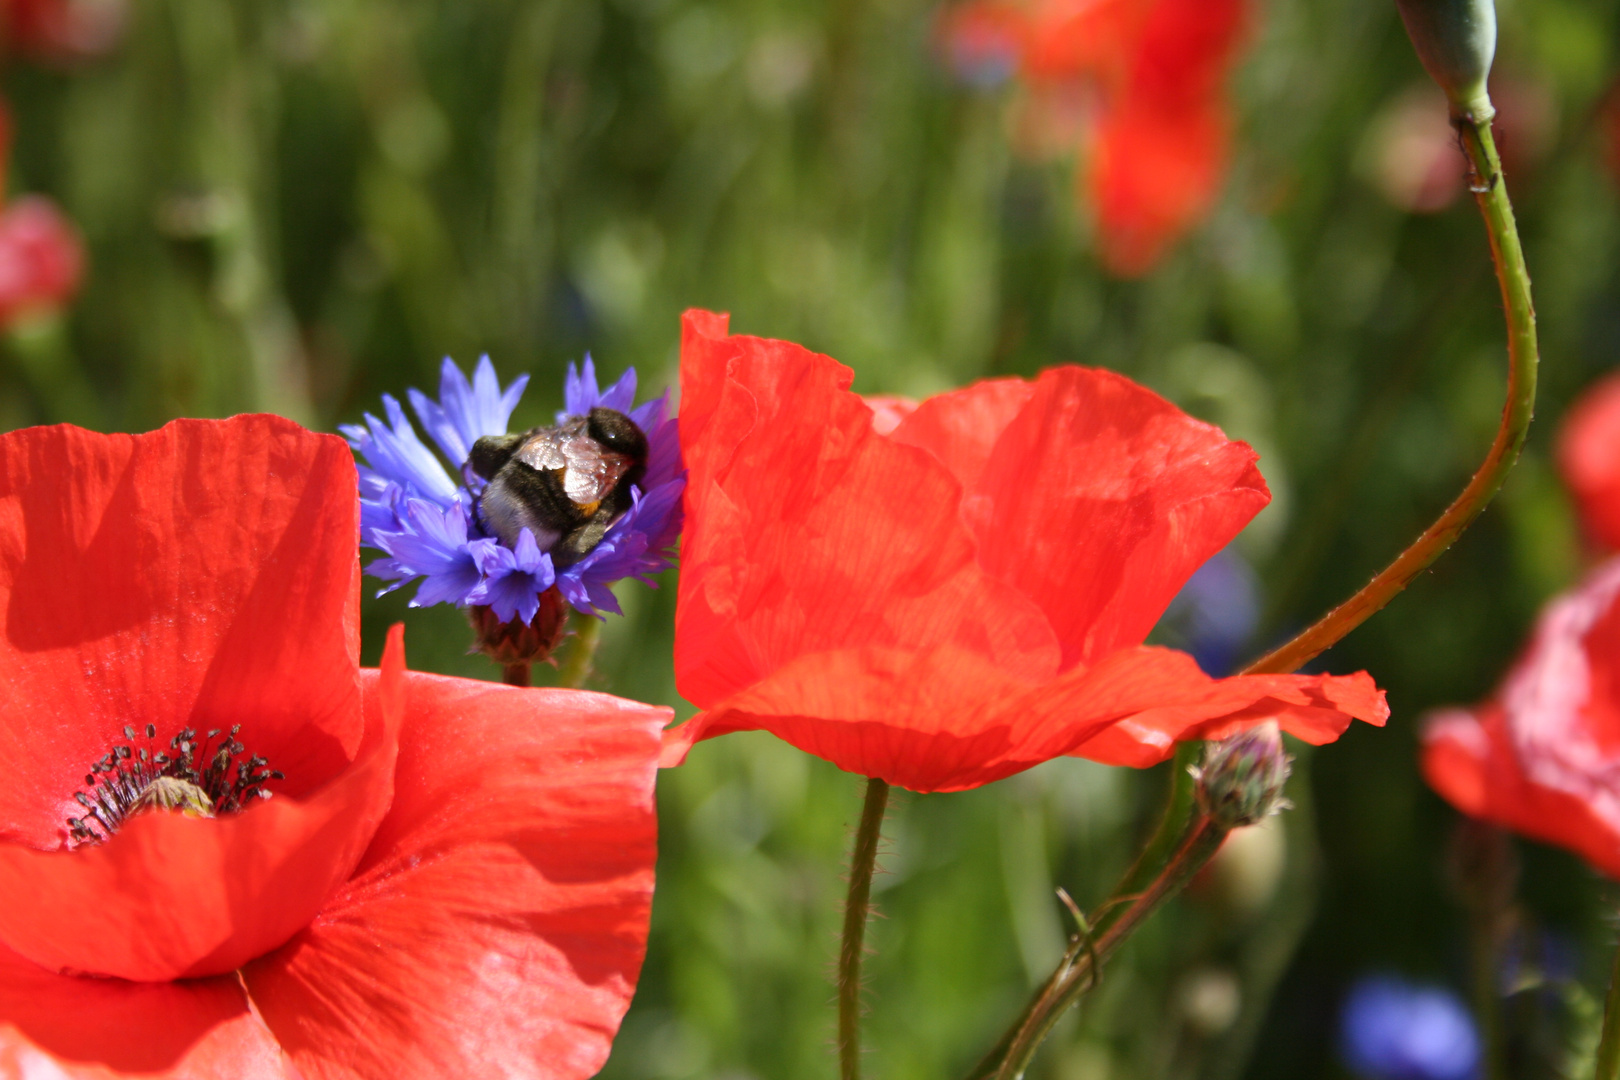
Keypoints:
pixel 579 389
pixel 512 580
pixel 399 457
pixel 467 412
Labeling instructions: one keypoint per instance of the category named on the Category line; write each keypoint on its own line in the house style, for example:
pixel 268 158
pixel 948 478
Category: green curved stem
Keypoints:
pixel 1490 191
pixel 1172 825
pixel 862 860
pixel 1082 963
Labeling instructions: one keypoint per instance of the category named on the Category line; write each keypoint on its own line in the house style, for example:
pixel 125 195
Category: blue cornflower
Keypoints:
pixel 425 519
pixel 1393 1030
pixel 1215 613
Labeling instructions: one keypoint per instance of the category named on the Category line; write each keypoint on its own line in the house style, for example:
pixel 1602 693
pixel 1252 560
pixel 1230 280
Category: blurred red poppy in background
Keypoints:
pixel 1148 79
pixel 41 255
pixel 944 594
pixel 59 30
pixel 1543 756
pixel 451 878
pixel 1589 458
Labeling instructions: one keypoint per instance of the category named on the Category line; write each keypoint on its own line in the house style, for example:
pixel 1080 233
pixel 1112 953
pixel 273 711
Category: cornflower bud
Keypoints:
pixel 1241 780
pixel 1456 40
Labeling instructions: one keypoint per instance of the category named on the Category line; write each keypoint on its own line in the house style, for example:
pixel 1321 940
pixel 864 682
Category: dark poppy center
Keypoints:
pixel 196 777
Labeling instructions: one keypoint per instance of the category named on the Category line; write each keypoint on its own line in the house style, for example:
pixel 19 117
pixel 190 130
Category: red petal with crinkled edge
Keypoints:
pixel 1187 704
pixel 946 720
pixel 201 575
pixel 171 896
pixel 1468 760
pixel 498 923
pixel 1542 757
pixel 1589 458
pixel 1098 501
pixel 58 1027
pixel 958 600
pixel 807 530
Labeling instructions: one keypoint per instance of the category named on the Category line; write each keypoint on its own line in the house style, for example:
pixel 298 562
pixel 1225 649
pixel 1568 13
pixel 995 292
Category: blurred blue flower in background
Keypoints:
pixel 1391 1029
pixel 428 526
pixel 1215 613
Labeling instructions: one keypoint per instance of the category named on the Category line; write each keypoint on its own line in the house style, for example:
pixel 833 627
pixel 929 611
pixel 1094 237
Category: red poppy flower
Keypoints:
pixel 1543 756
pixel 451 878
pixel 944 594
pixel 1153 73
pixel 1589 458
pixel 41 255
pixel 41 258
pixel 62 29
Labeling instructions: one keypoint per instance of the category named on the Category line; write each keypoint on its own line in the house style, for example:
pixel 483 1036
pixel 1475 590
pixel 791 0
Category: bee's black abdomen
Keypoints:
pixel 579 543
pixel 542 491
pixel 491 452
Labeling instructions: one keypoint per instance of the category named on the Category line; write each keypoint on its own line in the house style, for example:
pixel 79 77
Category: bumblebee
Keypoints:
pixel 566 484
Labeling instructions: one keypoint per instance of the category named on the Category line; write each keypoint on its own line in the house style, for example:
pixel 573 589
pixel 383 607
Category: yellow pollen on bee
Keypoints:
pixel 589 508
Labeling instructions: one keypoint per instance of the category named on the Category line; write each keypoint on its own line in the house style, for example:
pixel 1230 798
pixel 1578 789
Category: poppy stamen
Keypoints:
pixel 193 777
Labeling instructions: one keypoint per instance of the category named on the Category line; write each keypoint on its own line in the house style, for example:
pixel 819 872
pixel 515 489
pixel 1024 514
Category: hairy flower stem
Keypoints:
pixel 1081 965
pixel 577 668
pixel 1490 191
pixel 1608 1051
pixel 861 862
pixel 1149 863
pixel 515 674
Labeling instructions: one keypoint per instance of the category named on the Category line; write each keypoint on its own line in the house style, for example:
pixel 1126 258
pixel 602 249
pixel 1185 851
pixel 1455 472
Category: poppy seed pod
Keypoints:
pixel 1456 40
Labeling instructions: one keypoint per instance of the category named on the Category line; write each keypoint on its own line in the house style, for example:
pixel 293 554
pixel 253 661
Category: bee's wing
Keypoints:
pixel 592 471
pixel 543 449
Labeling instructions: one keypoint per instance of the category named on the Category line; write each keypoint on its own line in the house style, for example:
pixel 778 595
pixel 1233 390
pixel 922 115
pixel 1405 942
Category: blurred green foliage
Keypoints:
pixel 296 206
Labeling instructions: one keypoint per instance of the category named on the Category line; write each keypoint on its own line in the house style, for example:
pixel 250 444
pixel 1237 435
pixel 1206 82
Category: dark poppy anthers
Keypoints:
pixel 944 594
pixel 447 877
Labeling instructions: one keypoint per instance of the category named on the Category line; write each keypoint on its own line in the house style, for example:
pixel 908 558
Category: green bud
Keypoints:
pixel 1456 40
pixel 1241 780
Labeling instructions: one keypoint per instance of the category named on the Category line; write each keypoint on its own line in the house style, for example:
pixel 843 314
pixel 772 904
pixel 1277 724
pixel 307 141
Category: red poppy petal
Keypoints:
pixel 1166 699
pixel 788 553
pixel 1469 761
pixel 1070 38
pixel 66 1028
pixel 946 720
pixel 888 411
pixel 961 427
pixel 1155 175
pixel 41 257
pixel 1099 501
pixel 498 922
pixel 202 575
pixel 1161 152
pixel 170 896
pixel 1589 457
